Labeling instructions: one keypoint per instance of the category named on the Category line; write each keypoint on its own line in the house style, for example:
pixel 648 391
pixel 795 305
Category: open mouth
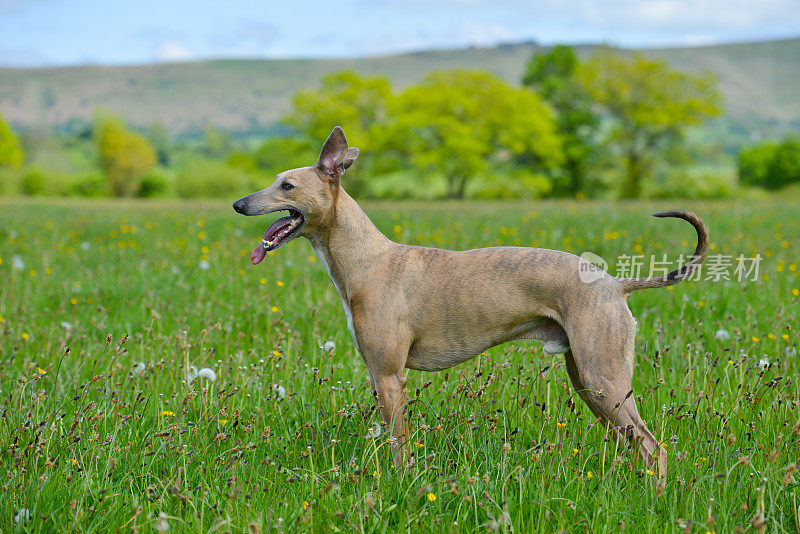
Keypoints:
pixel 280 232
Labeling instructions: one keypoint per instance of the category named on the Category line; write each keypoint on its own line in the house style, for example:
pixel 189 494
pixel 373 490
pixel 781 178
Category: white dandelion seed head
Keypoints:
pixel 17 263
pixel 22 515
pixel 279 390
pixel 138 367
pixel 66 326
pixel 722 334
pixel 161 523
pixel 207 373
pixel 238 232
pixel 85 245
pixel 790 351
pixel 374 431
pixel 762 363
pixel 329 346
pixel 13 234
pixel 204 265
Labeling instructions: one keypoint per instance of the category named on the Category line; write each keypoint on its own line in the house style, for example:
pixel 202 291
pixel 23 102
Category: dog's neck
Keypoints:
pixel 348 244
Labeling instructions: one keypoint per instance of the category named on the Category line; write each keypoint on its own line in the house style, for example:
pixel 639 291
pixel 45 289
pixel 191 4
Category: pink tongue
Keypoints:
pixel 258 254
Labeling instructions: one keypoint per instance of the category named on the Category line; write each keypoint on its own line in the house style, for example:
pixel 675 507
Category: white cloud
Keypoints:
pixel 173 51
pixel 482 34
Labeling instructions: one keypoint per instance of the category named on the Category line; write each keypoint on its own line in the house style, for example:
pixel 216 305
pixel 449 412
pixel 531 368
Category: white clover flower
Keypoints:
pixel 763 363
pixel 17 263
pixel 192 374
pixel 207 373
pixel 85 245
pixel 138 367
pixel 329 346
pixel 22 515
pixel 204 265
pixel 721 334
pixel 374 431
pixel 279 390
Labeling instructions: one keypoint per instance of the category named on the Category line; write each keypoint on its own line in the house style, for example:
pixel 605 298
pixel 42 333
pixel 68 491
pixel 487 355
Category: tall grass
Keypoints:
pixel 108 308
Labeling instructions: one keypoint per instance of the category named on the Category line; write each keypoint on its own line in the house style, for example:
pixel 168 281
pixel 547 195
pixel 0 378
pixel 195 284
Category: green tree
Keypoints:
pixel 457 123
pixel 346 99
pixel 554 76
pixel 124 155
pixel 784 168
pixel 11 153
pixel 218 144
pixel 771 165
pixel 159 138
pixel 277 154
pixel 754 164
pixel 650 106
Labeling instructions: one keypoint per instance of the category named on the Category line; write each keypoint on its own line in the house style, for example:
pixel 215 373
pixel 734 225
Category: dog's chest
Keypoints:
pixel 323 258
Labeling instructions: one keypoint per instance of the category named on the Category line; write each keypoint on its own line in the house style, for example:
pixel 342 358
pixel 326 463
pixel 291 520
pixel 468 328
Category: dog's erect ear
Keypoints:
pixel 335 156
pixel 350 156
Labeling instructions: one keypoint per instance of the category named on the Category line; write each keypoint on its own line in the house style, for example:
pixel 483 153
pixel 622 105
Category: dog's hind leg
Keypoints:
pixel 601 369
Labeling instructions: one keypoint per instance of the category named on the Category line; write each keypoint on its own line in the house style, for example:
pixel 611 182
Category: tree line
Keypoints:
pixel 612 125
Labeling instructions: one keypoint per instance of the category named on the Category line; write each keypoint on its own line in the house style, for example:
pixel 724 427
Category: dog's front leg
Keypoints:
pixel 384 342
pixel 392 402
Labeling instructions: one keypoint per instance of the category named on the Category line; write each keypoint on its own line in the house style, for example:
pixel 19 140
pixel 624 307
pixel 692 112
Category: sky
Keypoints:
pixel 73 32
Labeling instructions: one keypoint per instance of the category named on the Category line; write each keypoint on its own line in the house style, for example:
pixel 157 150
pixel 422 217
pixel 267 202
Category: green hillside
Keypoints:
pixel 761 82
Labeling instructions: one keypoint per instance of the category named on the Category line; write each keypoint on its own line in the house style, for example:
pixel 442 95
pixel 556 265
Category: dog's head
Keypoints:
pixel 309 195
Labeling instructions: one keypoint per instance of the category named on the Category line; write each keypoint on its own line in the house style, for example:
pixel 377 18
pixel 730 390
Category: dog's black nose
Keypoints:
pixel 239 206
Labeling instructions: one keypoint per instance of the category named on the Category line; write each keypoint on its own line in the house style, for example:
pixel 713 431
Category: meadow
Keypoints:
pixel 151 379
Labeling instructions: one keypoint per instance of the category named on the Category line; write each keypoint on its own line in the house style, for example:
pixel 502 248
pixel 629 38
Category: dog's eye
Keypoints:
pixel 286 186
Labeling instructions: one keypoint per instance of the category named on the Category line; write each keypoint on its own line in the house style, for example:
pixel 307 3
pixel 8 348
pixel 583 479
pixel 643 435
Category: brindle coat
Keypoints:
pixel 430 309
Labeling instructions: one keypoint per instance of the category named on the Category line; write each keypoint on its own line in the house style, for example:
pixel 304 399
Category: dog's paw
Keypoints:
pixel 555 347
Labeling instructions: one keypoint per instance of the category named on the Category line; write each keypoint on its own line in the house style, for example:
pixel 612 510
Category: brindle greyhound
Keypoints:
pixel 430 309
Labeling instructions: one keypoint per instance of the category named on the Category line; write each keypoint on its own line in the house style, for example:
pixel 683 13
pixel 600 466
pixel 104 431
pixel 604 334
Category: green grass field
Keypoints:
pixel 105 307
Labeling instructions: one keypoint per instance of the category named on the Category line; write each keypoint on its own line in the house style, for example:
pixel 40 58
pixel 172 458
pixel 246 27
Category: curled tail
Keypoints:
pixel 632 284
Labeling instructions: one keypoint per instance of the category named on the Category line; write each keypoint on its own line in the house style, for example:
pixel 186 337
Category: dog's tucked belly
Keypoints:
pixel 433 353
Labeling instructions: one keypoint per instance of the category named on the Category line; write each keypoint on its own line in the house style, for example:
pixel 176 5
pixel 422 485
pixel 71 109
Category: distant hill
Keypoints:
pixel 761 83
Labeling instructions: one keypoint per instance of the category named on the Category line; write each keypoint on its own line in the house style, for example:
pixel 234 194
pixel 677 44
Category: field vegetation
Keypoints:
pixel 152 379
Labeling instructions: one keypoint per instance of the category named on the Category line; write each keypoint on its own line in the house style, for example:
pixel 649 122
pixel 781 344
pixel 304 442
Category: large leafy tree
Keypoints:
pixel 124 155
pixel 554 76
pixel 650 106
pixel 458 123
pixel 344 99
pixel 11 153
